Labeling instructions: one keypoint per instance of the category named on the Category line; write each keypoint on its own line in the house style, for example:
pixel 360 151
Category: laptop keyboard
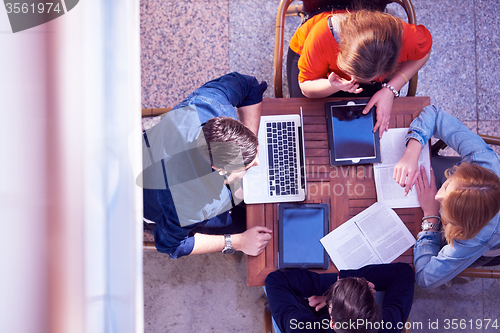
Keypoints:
pixel 282 158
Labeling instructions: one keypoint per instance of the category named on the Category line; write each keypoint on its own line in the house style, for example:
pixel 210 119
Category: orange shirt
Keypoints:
pixel 318 49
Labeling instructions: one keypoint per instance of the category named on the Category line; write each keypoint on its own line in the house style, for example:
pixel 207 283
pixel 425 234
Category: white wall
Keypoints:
pixel 23 206
pixel 70 229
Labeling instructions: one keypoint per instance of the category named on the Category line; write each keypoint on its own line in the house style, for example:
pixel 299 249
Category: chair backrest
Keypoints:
pixel 148 246
pixel 480 273
pixel 154 112
pixel 491 140
pixel 285 10
pixel 268 320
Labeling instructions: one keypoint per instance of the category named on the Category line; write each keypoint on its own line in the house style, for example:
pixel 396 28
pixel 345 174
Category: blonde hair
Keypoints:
pixel 370 44
pixel 472 204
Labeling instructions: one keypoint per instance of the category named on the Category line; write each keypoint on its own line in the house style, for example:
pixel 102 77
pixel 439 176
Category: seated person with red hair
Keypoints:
pixel 467 203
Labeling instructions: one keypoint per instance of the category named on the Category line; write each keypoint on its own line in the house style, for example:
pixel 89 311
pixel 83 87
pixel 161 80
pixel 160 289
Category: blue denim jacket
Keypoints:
pixel 434 265
pixel 181 191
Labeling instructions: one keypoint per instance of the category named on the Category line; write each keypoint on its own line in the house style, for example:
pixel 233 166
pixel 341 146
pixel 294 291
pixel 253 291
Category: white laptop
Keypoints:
pixel 281 174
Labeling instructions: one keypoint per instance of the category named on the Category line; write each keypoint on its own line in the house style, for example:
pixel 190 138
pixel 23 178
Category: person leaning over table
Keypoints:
pixel 469 200
pixel 354 52
pixel 194 159
pixel 305 301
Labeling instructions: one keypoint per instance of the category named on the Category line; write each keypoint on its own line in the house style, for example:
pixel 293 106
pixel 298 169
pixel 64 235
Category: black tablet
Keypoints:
pixel 350 133
pixel 301 226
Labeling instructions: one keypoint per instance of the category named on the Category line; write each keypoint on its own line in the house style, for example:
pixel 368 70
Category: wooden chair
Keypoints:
pixel 268 320
pixel 148 246
pixel 284 10
pixel 480 273
pixel 154 112
pixel 474 272
pixel 491 140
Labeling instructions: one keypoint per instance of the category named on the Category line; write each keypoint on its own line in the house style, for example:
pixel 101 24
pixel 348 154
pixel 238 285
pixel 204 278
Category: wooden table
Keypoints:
pixel 347 189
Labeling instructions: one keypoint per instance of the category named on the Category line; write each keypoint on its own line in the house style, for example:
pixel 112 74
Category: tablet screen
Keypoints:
pixel 302 228
pixel 353 133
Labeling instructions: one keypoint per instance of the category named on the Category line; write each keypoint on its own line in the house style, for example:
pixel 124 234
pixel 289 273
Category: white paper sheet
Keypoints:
pixel 389 192
pixel 375 236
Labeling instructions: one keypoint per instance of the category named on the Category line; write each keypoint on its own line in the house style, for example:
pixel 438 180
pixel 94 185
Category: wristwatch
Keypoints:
pixel 228 247
pixel 426 225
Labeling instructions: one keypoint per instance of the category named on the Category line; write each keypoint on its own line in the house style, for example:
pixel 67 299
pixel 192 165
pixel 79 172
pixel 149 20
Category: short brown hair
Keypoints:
pixel 472 204
pixel 351 299
pixel 370 44
pixel 237 140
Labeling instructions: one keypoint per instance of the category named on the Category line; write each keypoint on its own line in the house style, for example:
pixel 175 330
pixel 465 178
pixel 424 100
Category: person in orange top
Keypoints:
pixel 367 53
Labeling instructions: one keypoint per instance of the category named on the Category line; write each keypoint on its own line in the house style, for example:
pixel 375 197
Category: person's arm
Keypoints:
pixel 178 241
pixel 250 116
pixel 406 71
pixel 169 240
pixel 170 237
pixel 237 89
pixel 252 242
pixel 434 266
pixel 434 121
pixel 288 292
pixel 414 53
pixel 384 98
pixel 324 87
pixel 397 280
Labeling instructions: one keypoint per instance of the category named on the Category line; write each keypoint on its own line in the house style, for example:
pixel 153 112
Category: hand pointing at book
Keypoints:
pixel 406 171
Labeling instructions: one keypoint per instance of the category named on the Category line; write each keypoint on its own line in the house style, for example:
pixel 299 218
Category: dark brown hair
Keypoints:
pixel 370 44
pixel 351 299
pixel 227 139
pixel 472 204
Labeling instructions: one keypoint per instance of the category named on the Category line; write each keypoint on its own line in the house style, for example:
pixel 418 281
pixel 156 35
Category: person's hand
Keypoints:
pixel 406 170
pixel 426 193
pixel 383 100
pixel 237 190
pixel 339 83
pixel 317 302
pixel 235 176
pixel 253 241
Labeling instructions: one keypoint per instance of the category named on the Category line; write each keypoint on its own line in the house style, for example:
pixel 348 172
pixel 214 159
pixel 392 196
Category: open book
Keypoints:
pixel 375 236
pixel 389 192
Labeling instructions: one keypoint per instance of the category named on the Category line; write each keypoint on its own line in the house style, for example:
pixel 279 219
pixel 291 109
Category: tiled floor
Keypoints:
pixel 187 42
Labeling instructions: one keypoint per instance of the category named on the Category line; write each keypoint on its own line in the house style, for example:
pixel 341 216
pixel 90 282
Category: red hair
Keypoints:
pixel 472 204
